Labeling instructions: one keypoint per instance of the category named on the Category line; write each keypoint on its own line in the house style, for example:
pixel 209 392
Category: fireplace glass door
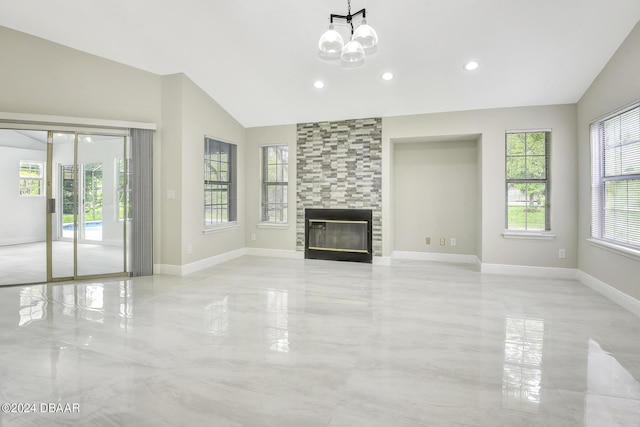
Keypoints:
pixel 341 236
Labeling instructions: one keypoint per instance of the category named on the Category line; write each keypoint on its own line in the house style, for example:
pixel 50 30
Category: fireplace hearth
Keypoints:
pixel 338 234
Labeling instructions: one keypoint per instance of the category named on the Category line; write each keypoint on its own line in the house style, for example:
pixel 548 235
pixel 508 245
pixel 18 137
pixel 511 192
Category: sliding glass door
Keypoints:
pixel 61 184
pixel 90 204
pixel 100 216
pixel 23 170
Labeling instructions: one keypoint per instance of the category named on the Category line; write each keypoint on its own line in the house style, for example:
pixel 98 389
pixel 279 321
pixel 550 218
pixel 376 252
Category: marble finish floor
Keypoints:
pixel 277 342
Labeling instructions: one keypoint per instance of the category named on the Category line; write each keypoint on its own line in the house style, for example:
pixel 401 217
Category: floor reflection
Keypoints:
pixel 126 304
pixel 611 389
pixel 277 321
pixel 216 317
pixel 522 371
pixel 32 304
pixel 86 301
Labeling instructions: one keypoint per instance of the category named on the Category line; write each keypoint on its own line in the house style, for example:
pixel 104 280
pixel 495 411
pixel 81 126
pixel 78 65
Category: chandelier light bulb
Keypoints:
pixel 331 43
pixel 365 35
pixel 352 53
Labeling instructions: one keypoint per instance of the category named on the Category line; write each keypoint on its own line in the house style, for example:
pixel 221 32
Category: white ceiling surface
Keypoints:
pixel 258 59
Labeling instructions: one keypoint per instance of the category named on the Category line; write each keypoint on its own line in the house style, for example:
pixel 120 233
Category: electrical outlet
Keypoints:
pixel 453 241
pixel 189 249
pixel 171 194
pixel 253 237
pixel 443 241
pixel 427 240
pixel 561 253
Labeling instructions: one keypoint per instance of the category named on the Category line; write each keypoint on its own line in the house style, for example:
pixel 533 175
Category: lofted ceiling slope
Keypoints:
pixel 259 59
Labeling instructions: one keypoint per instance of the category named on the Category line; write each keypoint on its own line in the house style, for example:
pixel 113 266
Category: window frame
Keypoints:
pixel 600 178
pixel 38 179
pixel 283 205
pixel 230 183
pixel 546 232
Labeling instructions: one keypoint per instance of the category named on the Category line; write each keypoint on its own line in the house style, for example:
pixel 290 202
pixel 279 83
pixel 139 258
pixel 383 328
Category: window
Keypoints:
pixel 219 182
pixel 615 178
pixel 527 183
pixel 31 178
pixel 275 183
pixel 123 196
pixel 92 195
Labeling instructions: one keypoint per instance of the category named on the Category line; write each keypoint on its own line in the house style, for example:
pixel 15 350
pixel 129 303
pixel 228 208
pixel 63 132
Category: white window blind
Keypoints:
pixel 615 178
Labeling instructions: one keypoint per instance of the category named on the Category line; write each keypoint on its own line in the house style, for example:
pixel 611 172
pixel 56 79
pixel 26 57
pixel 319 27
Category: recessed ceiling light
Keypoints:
pixel 471 65
pixel 318 84
pixel 387 76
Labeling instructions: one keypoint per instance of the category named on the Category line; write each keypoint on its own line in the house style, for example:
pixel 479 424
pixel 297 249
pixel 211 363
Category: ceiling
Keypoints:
pixel 258 59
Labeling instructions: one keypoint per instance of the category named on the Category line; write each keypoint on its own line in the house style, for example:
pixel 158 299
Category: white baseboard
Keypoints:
pixel 169 269
pixel 382 260
pixel 22 240
pixel 438 257
pixel 211 261
pixel 620 298
pixel 183 270
pixel 275 253
pixel 527 270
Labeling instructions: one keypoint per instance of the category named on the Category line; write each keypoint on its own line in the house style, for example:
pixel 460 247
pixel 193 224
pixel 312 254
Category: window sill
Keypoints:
pixel 220 227
pixel 276 225
pixel 531 235
pixel 616 249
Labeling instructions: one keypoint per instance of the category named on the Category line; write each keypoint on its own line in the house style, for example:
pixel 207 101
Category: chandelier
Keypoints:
pixel 363 39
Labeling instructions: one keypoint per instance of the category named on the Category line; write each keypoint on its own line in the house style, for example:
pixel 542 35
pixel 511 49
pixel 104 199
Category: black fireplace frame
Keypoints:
pixel 339 215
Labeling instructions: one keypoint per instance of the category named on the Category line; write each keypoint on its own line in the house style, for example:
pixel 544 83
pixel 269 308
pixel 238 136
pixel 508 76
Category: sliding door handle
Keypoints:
pixel 51 206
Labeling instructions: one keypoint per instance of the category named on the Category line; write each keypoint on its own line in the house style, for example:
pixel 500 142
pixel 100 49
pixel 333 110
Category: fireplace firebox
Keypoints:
pixel 338 234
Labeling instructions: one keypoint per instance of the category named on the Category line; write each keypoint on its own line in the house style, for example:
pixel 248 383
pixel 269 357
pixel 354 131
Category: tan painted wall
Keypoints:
pixel 283 238
pixel 434 196
pixel 491 125
pixel 617 85
pixel 169 175
pixel 202 116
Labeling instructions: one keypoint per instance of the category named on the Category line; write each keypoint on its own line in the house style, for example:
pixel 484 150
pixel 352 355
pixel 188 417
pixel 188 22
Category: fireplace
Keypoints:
pixel 338 234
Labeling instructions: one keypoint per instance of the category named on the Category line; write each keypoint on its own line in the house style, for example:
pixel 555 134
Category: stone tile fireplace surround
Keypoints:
pixel 339 166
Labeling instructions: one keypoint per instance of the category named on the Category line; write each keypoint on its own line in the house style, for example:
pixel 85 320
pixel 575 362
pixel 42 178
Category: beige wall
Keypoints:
pixel 479 193
pixel 617 85
pixel 168 242
pixel 491 126
pixel 41 77
pixel 434 196
pixel 202 116
pixel 269 237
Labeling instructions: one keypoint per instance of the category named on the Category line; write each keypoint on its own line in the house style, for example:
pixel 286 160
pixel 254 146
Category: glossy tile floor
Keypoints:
pixel 275 342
